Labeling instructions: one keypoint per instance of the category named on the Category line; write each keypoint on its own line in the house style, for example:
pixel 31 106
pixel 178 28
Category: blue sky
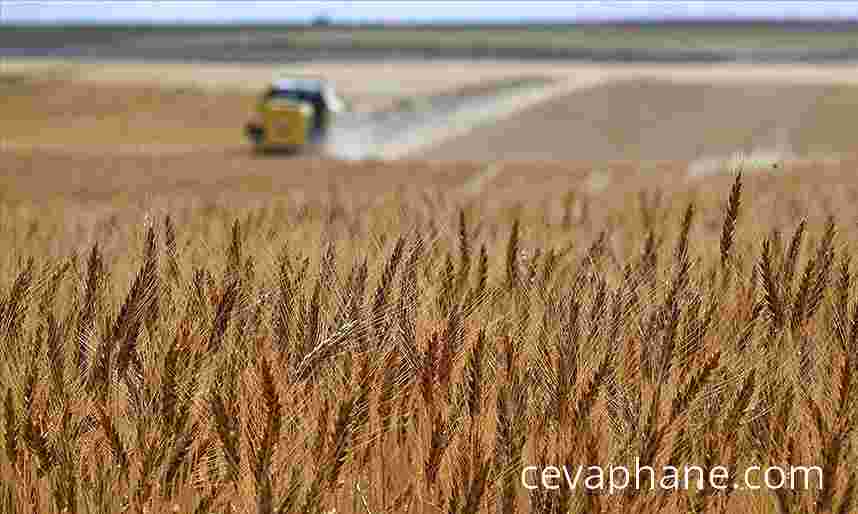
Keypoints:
pixel 53 11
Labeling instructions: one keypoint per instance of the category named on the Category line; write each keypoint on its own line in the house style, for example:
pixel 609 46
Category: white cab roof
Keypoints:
pixel 335 103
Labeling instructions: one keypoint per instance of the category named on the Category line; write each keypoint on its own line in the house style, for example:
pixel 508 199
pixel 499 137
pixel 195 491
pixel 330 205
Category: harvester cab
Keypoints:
pixel 294 114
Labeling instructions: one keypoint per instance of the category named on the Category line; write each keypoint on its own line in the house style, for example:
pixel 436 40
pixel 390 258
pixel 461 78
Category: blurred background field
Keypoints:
pixel 584 112
pixel 677 41
pixel 662 211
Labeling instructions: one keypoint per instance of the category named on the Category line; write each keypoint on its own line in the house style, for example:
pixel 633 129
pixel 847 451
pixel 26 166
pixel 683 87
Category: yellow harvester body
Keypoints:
pixel 293 114
pixel 286 123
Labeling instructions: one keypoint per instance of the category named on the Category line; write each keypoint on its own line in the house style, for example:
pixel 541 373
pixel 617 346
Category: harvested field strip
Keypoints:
pixel 480 112
pixel 653 120
pixel 419 122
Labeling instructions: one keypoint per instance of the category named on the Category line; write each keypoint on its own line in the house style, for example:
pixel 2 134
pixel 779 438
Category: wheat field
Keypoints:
pixel 413 349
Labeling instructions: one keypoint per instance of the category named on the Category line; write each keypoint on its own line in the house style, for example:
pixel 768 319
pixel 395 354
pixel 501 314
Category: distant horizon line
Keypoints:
pixel 334 22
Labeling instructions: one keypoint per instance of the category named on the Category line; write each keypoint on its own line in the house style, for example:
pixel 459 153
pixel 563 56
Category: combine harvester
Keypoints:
pixel 294 115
